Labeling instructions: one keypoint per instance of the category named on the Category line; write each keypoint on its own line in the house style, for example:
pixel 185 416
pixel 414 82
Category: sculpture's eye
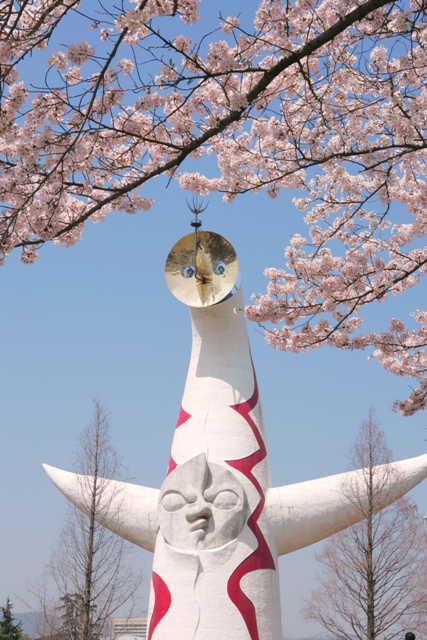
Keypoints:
pixel 226 500
pixel 220 268
pixel 187 271
pixel 173 501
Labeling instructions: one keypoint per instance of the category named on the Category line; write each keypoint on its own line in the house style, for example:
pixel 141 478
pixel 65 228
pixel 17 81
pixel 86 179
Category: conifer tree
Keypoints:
pixel 70 612
pixel 8 629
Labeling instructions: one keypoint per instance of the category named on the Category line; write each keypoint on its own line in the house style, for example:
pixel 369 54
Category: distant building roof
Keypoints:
pixel 128 628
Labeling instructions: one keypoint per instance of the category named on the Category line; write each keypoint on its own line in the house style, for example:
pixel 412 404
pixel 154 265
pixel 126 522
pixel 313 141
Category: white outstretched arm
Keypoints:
pixel 127 509
pixel 304 513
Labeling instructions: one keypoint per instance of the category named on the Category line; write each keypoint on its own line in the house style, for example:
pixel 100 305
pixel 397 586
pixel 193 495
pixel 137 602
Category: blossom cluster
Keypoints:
pixel 25 27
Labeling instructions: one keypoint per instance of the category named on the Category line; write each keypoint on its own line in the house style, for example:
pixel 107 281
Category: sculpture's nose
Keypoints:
pixel 204 275
pixel 199 511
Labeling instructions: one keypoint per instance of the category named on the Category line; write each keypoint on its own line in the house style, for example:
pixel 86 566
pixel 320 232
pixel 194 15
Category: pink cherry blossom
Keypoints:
pixel 58 60
pixel 126 66
pixel 78 54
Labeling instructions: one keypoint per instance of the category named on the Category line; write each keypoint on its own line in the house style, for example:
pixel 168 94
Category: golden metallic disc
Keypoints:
pixel 202 275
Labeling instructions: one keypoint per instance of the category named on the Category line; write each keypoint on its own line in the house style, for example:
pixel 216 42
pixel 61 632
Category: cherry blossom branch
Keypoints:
pixel 234 115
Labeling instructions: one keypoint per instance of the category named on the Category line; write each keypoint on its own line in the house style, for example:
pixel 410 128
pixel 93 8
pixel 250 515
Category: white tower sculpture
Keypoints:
pixel 216 526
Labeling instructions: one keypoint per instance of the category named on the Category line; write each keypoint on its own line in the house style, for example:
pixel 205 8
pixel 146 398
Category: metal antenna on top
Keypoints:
pixel 196 207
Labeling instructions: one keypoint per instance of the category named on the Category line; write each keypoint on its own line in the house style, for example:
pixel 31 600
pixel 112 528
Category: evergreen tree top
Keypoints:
pixel 8 629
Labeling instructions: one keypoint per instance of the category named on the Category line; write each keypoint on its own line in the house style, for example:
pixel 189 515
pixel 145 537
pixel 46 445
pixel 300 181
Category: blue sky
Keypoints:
pixel 98 319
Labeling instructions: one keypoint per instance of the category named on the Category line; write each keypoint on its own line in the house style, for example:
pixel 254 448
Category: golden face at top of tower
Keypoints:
pixel 202 269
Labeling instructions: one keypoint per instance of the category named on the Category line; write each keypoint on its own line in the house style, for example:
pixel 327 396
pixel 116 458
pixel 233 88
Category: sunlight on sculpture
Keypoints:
pixel 216 526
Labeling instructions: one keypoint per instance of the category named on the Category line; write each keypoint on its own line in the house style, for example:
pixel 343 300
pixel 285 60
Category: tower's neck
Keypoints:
pixel 221 413
pixel 220 371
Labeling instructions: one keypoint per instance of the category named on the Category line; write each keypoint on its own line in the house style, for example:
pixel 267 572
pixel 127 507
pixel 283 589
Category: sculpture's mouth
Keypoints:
pixel 199 524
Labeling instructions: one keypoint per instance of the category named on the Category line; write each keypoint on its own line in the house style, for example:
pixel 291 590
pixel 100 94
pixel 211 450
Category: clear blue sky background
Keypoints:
pixel 98 319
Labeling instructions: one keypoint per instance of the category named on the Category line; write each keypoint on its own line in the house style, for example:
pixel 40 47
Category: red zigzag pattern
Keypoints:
pixel 261 558
pixel 183 417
